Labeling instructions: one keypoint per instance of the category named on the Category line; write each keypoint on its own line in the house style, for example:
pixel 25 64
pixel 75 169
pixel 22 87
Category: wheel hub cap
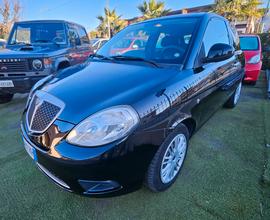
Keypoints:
pixel 173 158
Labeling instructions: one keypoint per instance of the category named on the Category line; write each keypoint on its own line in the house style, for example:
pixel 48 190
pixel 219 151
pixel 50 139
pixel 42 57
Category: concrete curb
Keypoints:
pixel 268 82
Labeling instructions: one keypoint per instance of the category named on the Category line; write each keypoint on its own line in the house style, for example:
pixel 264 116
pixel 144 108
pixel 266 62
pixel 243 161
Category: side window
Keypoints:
pixel 216 32
pixel 73 33
pixel 83 35
pixel 234 37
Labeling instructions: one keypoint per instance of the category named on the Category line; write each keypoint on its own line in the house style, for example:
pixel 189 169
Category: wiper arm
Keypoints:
pixel 99 56
pixel 120 57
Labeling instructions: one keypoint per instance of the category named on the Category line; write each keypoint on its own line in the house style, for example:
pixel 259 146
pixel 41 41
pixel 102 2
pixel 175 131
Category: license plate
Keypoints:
pixel 30 150
pixel 6 84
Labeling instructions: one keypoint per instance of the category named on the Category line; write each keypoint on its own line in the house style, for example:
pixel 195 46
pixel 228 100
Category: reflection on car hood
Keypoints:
pixel 101 85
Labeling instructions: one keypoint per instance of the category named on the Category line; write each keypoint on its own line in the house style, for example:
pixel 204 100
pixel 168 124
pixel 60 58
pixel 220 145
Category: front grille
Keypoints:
pixel 13 65
pixel 42 112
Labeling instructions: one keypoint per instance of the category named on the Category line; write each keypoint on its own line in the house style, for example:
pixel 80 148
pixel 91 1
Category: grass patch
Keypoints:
pixel 221 178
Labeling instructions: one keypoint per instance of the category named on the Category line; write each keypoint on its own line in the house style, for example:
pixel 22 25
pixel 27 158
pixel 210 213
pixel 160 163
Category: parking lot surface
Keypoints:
pixel 226 174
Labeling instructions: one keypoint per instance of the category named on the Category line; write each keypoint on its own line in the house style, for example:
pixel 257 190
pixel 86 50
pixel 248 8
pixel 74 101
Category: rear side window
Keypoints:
pixel 249 43
pixel 73 33
pixel 234 36
pixel 83 35
pixel 216 32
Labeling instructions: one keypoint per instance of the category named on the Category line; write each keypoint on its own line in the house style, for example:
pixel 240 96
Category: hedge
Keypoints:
pixel 265 40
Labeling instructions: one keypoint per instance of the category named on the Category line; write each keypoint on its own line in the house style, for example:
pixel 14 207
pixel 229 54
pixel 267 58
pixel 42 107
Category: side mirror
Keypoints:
pixel 219 52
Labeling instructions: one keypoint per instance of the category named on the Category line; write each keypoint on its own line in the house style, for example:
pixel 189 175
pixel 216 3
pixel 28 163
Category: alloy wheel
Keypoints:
pixel 173 158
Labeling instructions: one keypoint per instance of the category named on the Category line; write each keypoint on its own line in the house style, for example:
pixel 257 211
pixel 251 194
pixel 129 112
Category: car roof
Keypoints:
pixel 205 15
pixel 47 21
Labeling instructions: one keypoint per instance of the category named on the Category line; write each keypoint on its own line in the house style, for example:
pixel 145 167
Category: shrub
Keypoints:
pixel 265 40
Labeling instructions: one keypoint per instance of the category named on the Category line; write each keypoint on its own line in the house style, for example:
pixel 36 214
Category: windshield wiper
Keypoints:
pixel 129 58
pixel 99 56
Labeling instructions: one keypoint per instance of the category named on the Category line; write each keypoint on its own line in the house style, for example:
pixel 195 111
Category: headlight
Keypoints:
pixel 47 62
pixel 37 64
pixel 104 127
pixel 255 59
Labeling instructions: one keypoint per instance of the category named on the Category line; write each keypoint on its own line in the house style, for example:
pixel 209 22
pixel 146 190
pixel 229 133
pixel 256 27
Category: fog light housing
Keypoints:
pixel 95 187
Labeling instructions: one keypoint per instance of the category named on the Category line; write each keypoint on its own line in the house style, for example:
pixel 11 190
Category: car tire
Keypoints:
pixel 5 98
pixel 156 179
pixel 233 100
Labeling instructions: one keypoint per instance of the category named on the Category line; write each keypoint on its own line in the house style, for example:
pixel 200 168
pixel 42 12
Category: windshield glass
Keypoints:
pixel 33 33
pixel 249 43
pixel 163 41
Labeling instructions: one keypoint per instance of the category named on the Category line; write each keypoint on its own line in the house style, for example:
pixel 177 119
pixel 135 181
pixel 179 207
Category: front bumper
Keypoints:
pixel 23 82
pixel 109 170
pixel 252 72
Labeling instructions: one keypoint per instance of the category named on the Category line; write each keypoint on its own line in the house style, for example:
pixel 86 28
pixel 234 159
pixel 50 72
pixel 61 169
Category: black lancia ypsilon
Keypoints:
pixel 125 117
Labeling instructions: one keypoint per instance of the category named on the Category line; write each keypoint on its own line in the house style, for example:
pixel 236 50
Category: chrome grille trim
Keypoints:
pixel 14 65
pixel 42 98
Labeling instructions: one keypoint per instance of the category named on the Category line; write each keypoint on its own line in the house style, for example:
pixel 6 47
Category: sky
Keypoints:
pixel 85 12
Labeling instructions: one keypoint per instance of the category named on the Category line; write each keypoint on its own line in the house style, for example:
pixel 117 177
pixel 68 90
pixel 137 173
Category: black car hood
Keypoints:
pixel 100 85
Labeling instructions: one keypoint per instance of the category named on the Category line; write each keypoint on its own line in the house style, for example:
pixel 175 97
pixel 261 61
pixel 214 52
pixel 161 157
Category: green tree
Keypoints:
pixel 93 34
pixel 110 23
pixel 231 9
pixel 252 11
pixel 238 10
pixel 9 13
pixel 152 9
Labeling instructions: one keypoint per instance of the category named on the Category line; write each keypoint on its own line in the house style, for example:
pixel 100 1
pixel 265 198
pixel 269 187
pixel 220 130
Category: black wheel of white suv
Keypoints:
pixel 168 160
pixel 5 98
pixel 233 100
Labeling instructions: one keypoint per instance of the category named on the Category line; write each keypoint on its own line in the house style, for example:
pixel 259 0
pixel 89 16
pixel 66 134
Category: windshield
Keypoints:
pixel 33 33
pixel 163 41
pixel 249 43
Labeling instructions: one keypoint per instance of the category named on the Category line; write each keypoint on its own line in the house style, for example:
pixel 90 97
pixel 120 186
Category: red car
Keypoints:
pixel 251 46
pixel 128 44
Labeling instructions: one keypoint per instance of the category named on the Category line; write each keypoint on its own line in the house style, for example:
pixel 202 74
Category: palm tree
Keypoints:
pixel 152 9
pixel 231 9
pixel 237 10
pixel 252 12
pixel 110 23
